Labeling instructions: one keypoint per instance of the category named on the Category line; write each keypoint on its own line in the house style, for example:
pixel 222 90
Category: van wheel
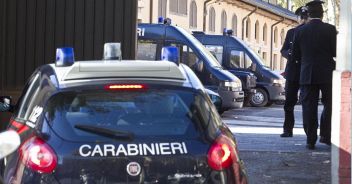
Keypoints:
pixel 260 98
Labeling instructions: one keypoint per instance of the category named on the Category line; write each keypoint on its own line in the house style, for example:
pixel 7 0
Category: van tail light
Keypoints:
pixel 222 153
pixel 38 156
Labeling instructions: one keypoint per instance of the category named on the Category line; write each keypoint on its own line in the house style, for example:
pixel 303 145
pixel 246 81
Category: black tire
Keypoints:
pixel 259 99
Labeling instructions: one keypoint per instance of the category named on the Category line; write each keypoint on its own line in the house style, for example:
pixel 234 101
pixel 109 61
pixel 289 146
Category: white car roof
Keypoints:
pixel 119 69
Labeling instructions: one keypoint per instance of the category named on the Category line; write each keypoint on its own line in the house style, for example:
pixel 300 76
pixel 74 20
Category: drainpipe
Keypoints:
pixel 205 15
pixel 272 41
pixel 246 17
pixel 151 12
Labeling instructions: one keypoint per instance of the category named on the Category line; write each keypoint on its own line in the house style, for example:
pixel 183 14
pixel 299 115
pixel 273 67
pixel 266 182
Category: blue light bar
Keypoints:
pixel 64 56
pixel 160 20
pixel 170 53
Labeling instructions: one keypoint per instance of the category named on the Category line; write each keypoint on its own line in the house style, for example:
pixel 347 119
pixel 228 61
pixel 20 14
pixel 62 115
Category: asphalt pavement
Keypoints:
pixel 271 159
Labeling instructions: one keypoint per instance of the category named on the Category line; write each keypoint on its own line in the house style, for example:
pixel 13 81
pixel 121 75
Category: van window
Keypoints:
pixel 248 61
pixel 190 58
pixel 146 50
pixel 236 59
pixel 217 51
pixel 187 56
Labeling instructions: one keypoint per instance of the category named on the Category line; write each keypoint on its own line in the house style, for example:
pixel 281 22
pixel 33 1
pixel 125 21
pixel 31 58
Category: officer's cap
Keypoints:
pixel 301 11
pixel 314 3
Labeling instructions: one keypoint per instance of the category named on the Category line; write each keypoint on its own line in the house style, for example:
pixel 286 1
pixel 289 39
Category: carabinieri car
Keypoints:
pixel 120 122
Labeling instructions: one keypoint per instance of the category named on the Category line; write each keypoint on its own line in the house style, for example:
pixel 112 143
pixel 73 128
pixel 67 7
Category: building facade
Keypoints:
pixel 261 24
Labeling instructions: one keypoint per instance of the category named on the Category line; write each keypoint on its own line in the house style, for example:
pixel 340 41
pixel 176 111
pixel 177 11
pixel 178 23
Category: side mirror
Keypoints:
pixel 253 67
pixel 216 99
pixel 9 142
pixel 5 103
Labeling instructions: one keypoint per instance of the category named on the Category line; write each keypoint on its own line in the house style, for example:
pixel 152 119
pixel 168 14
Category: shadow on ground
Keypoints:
pixel 271 159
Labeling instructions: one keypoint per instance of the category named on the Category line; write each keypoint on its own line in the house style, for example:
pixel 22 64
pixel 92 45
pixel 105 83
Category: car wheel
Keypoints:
pixel 260 98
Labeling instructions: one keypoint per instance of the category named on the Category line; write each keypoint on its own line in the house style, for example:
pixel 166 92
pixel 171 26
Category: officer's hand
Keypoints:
pixel 4 107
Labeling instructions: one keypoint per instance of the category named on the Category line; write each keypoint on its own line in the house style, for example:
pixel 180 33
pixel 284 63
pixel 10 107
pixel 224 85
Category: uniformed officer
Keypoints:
pixel 315 46
pixel 292 72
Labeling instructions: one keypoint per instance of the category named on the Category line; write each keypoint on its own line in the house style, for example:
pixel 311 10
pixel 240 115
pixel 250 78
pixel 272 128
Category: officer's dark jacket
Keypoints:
pixel 293 67
pixel 315 46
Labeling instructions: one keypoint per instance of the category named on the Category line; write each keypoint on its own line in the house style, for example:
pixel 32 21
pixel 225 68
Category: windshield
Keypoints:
pixel 254 54
pixel 212 60
pixel 156 112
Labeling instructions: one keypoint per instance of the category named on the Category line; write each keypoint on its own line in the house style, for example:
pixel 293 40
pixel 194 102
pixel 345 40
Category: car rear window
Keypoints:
pixel 155 112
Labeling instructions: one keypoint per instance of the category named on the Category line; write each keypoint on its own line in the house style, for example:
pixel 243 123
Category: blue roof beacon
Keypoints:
pixel 64 56
pixel 170 53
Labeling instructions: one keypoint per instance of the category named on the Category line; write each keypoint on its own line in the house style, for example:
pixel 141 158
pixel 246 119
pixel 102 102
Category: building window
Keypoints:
pixel 264 57
pixel 282 36
pixel 274 67
pixel 282 63
pixel 193 15
pixel 162 8
pixel 212 19
pixel 234 24
pixel 223 21
pixel 265 33
pixel 256 33
pixel 178 6
pixel 275 36
pixel 248 28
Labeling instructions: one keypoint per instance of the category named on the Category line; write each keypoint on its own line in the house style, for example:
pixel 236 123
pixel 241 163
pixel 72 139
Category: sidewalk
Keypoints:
pixel 271 159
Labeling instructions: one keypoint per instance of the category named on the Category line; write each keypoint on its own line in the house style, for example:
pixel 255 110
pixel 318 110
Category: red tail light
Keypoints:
pixel 125 86
pixel 37 155
pixel 222 153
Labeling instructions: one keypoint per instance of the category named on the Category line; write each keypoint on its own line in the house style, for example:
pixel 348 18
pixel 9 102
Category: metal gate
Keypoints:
pixel 31 30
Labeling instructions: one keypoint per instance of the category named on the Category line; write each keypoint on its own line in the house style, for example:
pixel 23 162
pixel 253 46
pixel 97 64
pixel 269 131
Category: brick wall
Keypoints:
pixel 344 169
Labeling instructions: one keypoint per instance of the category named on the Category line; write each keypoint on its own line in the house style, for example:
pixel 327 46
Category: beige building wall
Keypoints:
pixel 241 10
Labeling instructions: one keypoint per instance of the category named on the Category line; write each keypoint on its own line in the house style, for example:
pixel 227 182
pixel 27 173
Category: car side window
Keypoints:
pixel 217 51
pixel 25 106
pixel 147 50
pixel 237 59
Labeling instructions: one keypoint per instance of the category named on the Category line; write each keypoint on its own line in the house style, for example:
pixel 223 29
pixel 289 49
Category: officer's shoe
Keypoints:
pixel 310 146
pixel 286 134
pixel 325 140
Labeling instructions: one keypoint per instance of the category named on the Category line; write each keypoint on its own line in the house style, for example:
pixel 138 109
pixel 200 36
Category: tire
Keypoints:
pixel 259 99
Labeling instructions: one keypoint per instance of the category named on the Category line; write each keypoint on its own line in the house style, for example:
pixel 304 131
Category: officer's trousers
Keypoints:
pixel 310 99
pixel 291 93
